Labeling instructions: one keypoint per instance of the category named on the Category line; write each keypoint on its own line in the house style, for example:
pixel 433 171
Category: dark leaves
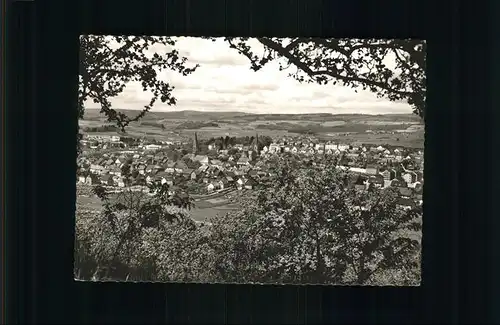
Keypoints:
pixel 396 252
pixel 100 192
pixel 312 221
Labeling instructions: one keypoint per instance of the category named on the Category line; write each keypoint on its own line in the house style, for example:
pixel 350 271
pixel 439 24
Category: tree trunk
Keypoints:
pixel 320 267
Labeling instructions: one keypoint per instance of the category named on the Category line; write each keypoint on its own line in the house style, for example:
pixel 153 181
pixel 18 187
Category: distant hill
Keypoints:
pixel 93 114
pixel 181 125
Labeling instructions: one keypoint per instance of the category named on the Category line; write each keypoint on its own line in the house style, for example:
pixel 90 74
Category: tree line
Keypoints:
pixel 227 141
pixel 195 125
pixel 102 128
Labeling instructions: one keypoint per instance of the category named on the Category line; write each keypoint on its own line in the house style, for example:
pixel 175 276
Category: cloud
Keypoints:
pixel 260 87
pixel 225 82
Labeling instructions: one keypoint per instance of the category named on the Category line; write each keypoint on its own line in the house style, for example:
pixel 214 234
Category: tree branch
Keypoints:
pixel 332 72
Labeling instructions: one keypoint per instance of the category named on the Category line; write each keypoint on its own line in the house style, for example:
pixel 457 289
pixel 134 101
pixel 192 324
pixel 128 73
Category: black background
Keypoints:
pixel 40 159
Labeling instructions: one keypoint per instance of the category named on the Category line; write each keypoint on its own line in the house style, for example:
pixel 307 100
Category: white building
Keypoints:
pixel 274 147
pixel 343 147
pixel 97 169
pixel 152 147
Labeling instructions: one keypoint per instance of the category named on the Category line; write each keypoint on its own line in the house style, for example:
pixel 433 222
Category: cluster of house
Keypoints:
pixel 221 170
pixel 380 153
pixel 209 171
pixel 91 141
pixel 102 141
pixel 408 183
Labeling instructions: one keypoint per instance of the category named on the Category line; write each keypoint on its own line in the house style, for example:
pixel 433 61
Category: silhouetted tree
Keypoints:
pixel 264 141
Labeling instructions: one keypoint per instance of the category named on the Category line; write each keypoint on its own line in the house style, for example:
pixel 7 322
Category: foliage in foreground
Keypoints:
pixel 305 226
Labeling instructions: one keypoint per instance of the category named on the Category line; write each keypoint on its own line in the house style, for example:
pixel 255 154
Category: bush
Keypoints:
pixel 162 253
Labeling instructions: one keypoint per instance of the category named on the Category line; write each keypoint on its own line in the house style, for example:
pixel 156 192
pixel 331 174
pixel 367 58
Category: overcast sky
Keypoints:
pixel 224 82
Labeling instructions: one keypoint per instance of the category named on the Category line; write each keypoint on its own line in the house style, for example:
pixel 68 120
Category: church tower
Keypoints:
pixel 256 143
pixel 195 144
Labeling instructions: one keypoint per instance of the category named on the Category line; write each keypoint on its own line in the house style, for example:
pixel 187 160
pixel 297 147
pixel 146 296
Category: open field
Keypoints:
pixel 333 123
pixel 89 203
pixel 233 132
pixel 203 210
pixel 386 122
pixel 216 200
pixel 199 214
pixel 181 125
pixel 409 140
pixel 93 114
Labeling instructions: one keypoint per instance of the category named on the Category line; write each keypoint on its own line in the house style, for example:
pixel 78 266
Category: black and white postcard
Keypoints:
pixel 250 160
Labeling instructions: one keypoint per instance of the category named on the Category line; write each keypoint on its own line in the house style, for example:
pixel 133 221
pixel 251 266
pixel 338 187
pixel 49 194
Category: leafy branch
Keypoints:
pixel 109 63
pixel 351 62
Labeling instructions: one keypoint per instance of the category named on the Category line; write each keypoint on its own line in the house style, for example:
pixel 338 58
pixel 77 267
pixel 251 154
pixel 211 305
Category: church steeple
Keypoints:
pixel 256 143
pixel 195 144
